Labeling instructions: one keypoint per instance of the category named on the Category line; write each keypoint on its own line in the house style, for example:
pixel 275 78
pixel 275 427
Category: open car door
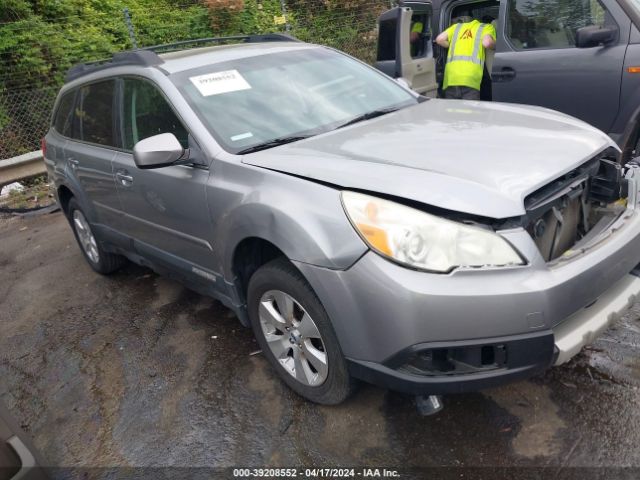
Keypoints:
pixel 540 61
pixel 405 47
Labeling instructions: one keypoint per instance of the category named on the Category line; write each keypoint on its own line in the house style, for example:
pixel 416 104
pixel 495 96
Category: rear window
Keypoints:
pixel 95 114
pixel 63 118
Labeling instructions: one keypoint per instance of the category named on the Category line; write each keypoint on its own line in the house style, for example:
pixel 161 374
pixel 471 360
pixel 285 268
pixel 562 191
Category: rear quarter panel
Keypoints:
pixel 57 169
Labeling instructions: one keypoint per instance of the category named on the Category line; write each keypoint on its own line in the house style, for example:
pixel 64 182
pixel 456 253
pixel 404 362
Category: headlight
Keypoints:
pixel 424 241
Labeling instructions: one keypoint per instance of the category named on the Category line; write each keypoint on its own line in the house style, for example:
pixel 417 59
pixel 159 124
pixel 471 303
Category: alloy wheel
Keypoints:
pixel 293 338
pixel 87 240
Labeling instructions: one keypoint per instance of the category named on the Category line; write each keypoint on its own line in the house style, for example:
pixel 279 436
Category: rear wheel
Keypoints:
pixel 295 334
pixel 101 261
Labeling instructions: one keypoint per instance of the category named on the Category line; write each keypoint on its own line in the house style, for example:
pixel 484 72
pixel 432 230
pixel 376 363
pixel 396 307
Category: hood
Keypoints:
pixel 479 158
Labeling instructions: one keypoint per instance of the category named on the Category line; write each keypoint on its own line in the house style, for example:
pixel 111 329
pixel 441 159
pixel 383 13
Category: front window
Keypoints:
pixel 256 101
pixel 551 23
pixel 146 113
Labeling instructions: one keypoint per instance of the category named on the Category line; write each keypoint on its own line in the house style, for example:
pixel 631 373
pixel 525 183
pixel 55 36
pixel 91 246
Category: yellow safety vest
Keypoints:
pixel 465 62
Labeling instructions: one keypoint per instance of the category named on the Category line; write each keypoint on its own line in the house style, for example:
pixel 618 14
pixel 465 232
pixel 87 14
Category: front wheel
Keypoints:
pixel 295 334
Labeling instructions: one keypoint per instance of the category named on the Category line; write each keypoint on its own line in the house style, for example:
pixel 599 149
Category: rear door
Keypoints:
pixel 92 148
pixel 405 47
pixel 165 209
pixel 538 63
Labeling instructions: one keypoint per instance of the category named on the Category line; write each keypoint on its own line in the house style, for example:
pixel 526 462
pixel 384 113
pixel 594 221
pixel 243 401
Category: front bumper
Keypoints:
pixel 524 355
pixel 586 325
pixel 541 315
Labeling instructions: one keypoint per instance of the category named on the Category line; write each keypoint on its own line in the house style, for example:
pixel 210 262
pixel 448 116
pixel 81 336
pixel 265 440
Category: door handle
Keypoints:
pixel 124 178
pixel 74 163
pixel 505 75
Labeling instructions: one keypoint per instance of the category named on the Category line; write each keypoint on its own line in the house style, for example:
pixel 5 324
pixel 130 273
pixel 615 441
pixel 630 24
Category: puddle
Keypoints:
pixel 539 417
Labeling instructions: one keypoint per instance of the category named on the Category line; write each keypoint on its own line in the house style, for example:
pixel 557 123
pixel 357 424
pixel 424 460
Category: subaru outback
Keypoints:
pixel 364 232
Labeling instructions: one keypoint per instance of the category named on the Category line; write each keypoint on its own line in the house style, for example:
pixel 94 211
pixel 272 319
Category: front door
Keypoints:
pixel 537 61
pixel 165 209
pixel 405 47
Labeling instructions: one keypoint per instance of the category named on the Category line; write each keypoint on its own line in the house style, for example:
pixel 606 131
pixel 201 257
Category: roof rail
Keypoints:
pixel 148 56
pixel 142 58
pixel 196 42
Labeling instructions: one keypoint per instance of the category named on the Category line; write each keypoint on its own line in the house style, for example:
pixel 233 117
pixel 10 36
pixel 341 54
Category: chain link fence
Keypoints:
pixel 26 118
pixel 25 110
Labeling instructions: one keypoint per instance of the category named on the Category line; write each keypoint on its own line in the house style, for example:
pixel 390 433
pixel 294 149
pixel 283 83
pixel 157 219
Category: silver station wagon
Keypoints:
pixel 363 231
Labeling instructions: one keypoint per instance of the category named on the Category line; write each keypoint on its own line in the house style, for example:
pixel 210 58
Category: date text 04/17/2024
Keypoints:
pixel 315 473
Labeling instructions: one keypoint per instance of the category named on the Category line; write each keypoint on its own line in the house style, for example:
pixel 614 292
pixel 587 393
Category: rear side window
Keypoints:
pixel 63 118
pixel 551 23
pixel 94 117
pixel 147 113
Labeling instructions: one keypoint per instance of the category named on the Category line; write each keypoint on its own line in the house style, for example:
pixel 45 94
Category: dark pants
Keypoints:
pixel 462 93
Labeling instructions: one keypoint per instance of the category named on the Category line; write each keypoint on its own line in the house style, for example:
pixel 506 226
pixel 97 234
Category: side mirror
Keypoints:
pixel 158 151
pixel 594 36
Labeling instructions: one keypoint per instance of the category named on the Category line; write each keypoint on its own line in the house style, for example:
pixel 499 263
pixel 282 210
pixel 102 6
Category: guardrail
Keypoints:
pixel 21 167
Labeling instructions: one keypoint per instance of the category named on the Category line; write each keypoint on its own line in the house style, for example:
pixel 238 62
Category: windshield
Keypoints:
pixel 270 99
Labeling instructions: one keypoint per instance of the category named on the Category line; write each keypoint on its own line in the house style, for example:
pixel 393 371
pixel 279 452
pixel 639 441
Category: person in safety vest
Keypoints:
pixel 465 62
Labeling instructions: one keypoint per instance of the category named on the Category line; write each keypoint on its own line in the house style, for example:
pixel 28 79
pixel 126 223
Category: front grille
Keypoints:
pixel 577 206
pixel 457 360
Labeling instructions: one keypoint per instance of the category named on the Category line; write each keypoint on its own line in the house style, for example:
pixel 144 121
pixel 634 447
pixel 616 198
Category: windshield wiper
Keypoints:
pixel 369 116
pixel 284 140
pixel 272 143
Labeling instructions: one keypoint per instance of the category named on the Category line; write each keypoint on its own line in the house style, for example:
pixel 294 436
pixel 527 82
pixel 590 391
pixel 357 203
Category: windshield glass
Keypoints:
pixel 265 99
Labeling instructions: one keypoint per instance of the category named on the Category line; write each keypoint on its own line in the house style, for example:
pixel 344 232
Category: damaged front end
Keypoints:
pixel 582 208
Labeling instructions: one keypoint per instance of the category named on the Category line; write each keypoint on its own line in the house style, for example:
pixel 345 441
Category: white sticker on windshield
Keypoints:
pixel 242 136
pixel 220 82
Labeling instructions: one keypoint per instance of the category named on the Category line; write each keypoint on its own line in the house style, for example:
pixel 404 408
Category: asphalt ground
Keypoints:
pixel 133 370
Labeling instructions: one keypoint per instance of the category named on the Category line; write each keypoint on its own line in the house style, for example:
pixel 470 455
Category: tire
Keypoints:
pixel 101 261
pixel 295 348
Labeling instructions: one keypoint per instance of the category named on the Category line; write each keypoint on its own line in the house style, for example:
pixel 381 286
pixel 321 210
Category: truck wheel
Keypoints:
pixel 101 261
pixel 295 334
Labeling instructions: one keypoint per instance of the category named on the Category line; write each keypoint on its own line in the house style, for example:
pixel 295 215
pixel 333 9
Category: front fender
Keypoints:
pixel 305 220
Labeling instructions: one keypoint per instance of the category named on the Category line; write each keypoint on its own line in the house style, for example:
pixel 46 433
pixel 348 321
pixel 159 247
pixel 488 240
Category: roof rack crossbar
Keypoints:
pixel 148 56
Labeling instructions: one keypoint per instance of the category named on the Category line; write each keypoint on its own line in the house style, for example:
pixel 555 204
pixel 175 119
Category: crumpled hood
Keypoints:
pixel 475 157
